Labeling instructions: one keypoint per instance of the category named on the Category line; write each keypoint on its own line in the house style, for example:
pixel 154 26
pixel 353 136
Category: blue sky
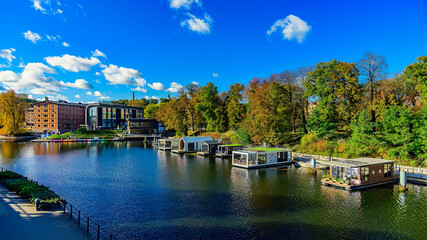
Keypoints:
pixel 100 50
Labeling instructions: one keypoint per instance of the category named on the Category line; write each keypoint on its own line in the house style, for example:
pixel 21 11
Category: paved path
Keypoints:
pixel 19 221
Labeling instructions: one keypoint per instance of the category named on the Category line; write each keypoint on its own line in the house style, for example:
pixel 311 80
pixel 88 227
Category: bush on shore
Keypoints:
pixel 30 190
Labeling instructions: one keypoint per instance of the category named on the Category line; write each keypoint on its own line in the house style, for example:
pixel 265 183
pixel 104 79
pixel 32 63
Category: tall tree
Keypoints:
pixel 335 85
pixel 416 73
pixel 208 102
pixel 12 113
pixel 373 68
pixel 235 109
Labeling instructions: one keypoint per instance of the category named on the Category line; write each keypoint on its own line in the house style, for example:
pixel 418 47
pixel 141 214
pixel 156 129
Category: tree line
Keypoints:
pixel 333 108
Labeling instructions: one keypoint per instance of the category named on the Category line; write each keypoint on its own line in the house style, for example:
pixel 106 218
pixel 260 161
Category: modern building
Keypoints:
pixel 168 144
pixel 58 116
pixel 259 157
pixel 115 116
pixel 29 117
pixel 358 173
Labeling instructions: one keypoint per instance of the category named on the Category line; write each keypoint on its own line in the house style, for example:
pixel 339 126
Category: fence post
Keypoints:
pixel 98 233
pixel 71 211
pixel 65 207
pixel 78 221
pixel 111 236
pixel 87 226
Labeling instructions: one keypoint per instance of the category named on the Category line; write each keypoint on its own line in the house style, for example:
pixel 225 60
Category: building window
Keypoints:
pixel 364 174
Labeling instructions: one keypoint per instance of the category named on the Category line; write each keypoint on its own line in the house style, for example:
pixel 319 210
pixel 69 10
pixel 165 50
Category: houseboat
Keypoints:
pixel 191 144
pixel 260 157
pixel 208 148
pixel 225 151
pixel 353 174
pixel 168 144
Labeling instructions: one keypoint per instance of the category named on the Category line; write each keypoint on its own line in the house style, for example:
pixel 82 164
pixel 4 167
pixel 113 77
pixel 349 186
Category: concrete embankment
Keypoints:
pixel 19 220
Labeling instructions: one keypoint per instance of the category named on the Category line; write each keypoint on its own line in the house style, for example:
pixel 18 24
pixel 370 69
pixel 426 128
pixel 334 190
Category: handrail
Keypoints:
pixel 82 220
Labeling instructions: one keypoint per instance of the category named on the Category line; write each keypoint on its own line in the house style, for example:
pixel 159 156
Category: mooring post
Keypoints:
pixel 313 163
pixel 402 178
pixel 87 226
pixel 78 221
pixel 98 232
pixel 71 211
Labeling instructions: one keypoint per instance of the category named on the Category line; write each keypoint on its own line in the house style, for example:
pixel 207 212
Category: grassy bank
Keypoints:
pixel 30 190
pixel 83 133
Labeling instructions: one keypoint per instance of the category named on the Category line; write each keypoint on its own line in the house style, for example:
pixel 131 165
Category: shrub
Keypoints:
pixel 9 175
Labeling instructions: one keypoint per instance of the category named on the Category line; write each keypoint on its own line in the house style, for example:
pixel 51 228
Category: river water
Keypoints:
pixel 137 192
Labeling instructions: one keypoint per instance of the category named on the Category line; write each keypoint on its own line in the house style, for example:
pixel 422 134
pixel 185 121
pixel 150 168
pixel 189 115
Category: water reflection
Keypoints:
pixel 139 192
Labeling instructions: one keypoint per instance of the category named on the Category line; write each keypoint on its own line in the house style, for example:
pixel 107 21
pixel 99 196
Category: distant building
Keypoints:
pixel 58 116
pixel 29 117
pixel 115 116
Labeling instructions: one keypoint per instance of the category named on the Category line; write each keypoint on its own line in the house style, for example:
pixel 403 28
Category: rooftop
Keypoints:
pixel 197 139
pixel 263 149
pixel 359 162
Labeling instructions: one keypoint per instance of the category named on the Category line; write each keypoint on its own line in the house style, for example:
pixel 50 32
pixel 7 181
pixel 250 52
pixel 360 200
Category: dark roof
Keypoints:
pixel 213 142
pixel 359 162
pixel 114 105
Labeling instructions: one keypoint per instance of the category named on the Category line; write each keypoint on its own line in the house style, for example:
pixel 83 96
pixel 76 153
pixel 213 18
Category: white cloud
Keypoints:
pixel 33 37
pixel 65 44
pixel 47 6
pixel 33 79
pixel 77 96
pixel 100 95
pixel 202 26
pixel 97 94
pixel 152 97
pixel 139 89
pixel 97 81
pixel 292 27
pixel 175 87
pixel 157 86
pixel 120 75
pixel 98 53
pixel 215 74
pixel 79 83
pixel 72 63
pixel 37 4
pixel 183 3
pixel 7 54
pixel 98 74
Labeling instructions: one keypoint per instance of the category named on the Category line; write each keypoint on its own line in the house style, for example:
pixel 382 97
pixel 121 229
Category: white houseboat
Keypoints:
pixel 259 157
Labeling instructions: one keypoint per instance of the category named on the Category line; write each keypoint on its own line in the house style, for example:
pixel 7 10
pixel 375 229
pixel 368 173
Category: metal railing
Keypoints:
pixel 83 221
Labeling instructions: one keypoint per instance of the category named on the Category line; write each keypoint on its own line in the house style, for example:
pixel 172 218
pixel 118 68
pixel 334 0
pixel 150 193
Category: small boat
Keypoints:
pixel 118 139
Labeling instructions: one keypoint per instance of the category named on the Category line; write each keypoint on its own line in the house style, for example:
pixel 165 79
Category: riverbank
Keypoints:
pixel 20 221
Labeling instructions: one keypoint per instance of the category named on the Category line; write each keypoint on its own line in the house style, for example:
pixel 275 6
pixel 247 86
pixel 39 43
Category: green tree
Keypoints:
pixel 208 102
pixel 417 74
pixel 235 109
pixel 335 85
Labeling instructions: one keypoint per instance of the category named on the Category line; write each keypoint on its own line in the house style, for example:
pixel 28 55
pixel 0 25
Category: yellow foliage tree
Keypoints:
pixel 11 113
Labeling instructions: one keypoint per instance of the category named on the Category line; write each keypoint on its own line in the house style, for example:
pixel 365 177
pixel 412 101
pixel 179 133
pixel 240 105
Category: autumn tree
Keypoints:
pixel 12 113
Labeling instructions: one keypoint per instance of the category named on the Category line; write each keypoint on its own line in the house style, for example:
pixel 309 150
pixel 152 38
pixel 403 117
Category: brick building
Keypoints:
pixel 58 116
pixel 29 117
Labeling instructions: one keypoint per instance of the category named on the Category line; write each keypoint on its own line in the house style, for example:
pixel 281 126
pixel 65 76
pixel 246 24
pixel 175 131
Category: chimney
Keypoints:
pixel 133 95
